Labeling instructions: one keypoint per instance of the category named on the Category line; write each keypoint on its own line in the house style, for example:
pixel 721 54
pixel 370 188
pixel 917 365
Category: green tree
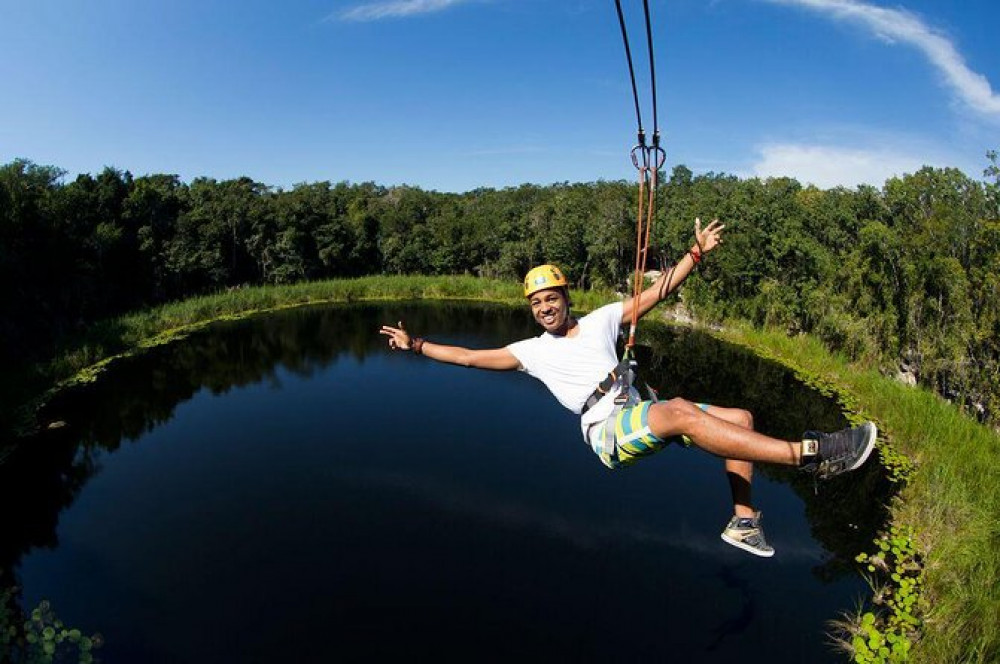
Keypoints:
pixel 109 273
pixel 405 241
pixel 498 223
pixel 609 237
pixel 993 169
pixel 362 219
pixel 878 278
pixel 29 241
pixel 153 207
pixel 211 249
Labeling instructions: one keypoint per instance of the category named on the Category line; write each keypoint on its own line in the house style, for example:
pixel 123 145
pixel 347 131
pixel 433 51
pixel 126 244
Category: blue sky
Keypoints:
pixel 455 94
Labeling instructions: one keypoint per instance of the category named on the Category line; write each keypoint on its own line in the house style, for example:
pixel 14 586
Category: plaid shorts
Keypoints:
pixel 633 438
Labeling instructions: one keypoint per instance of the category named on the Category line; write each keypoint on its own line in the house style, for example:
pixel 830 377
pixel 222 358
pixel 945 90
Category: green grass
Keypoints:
pixel 83 358
pixel 167 322
pixel 950 501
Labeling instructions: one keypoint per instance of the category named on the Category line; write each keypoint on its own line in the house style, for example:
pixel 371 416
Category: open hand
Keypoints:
pixel 710 237
pixel 399 339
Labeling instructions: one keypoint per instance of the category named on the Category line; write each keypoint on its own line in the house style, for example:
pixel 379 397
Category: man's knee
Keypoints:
pixel 674 416
pixel 681 406
pixel 738 416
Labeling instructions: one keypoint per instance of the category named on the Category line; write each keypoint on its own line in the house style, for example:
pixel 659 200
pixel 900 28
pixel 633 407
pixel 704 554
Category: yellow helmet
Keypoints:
pixel 542 277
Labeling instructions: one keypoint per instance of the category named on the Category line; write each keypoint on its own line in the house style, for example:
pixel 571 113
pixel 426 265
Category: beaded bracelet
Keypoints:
pixel 417 345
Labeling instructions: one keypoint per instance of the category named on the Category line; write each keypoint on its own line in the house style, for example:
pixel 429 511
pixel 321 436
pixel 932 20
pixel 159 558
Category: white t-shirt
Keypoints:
pixel 572 367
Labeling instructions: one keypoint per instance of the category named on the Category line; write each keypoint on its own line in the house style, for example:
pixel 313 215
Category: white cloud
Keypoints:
pixel 394 9
pixel 898 25
pixel 832 166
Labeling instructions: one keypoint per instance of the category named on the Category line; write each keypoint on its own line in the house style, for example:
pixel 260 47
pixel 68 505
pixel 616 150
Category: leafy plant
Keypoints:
pixel 41 637
pixel 895 573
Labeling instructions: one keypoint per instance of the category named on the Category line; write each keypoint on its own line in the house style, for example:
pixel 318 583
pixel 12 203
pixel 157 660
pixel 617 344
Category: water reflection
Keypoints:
pixel 845 512
pixel 140 394
pixel 290 464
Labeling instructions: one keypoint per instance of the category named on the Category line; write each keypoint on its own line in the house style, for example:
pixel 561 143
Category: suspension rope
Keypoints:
pixel 647 160
pixel 631 72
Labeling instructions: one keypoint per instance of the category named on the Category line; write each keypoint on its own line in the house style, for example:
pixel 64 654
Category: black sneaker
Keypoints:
pixel 828 454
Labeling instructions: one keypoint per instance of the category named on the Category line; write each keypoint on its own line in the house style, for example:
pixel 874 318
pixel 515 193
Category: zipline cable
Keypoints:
pixel 631 71
pixel 652 73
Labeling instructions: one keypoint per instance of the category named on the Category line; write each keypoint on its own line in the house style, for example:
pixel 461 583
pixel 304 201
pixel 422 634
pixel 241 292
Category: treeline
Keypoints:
pixel 906 275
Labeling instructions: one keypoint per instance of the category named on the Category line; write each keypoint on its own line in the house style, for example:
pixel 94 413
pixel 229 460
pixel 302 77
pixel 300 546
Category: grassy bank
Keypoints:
pixel 950 502
pixel 81 358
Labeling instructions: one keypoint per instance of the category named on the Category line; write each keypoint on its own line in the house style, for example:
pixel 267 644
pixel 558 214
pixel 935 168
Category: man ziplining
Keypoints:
pixel 577 361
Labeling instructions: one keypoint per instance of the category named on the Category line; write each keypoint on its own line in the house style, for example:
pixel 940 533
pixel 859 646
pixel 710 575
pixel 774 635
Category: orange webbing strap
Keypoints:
pixel 648 160
pixel 624 373
pixel 651 160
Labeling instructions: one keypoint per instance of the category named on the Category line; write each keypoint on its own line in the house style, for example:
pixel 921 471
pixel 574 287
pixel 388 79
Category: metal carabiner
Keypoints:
pixel 640 149
pixel 661 156
pixel 649 156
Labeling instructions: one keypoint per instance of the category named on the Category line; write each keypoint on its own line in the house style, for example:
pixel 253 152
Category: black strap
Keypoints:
pixel 625 371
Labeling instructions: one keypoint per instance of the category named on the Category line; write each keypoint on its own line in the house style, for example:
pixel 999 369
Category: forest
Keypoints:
pixel 905 277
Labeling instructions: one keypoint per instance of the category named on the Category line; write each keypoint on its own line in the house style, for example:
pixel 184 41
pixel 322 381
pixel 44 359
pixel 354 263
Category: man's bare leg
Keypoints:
pixel 738 472
pixel 729 433
pixel 716 435
pixel 744 529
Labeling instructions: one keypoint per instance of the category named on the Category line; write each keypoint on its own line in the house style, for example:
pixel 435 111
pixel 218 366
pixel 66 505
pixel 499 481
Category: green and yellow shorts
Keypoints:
pixel 632 438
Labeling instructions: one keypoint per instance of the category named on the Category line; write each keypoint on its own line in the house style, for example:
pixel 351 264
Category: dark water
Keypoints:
pixel 285 489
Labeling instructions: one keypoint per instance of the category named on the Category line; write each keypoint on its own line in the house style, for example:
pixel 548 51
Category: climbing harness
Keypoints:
pixel 648 159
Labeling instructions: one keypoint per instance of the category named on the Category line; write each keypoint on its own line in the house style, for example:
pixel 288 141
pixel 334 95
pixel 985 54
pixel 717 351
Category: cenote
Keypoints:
pixel 284 488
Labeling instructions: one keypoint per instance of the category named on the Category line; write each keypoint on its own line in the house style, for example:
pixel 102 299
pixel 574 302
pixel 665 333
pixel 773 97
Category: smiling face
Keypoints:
pixel 550 307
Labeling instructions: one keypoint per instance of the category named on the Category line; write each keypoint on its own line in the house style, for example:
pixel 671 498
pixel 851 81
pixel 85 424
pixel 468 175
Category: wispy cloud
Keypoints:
pixel 376 11
pixel 901 26
pixel 829 166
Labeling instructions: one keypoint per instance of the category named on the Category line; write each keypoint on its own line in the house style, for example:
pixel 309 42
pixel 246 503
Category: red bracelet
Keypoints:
pixel 417 345
pixel 695 255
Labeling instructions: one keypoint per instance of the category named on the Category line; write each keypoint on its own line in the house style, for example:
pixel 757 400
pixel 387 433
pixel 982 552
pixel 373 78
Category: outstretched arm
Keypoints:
pixel 497 359
pixel 706 240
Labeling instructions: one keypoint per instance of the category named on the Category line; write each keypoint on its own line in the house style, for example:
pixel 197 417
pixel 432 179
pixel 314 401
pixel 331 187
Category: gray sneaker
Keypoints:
pixel 748 534
pixel 828 454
